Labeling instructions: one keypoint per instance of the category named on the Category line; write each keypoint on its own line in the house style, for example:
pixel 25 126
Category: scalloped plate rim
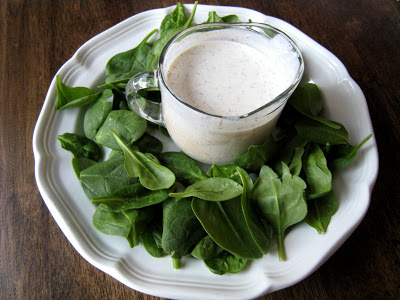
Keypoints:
pixel 116 266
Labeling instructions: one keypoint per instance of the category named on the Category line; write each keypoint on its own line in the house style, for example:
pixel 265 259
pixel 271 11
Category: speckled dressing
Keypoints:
pixel 227 76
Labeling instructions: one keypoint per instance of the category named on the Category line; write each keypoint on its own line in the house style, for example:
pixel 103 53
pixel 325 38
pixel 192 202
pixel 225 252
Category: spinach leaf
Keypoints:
pixel 320 211
pixel 228 171
pixel 280 200
pixel 214 18
pixel 229 223
pixel 181 229
pixel 105 178
pixel 232 172
pixel 128 224
pixel 257 156
pixel 140 220
pixel 255 226
pixel 109 222
pixel 240 176
pixel 124 65
pixel 322 134
pixel 158 47
pixel 151 239
pixel 341 155
pixel 175 19
pixel 152 175
pixel 287 148
pixel 307 100
pixel 212 189
pixel 185 168
pixel 206 248
pixel 318 176
pixel 149 143
pixel 226 224
pixel 97 114
pixel 127 191
pixel 123 105
pixel 68 97
pixel 115 154
pixel 119 100
pixel 286 121
pixel 225 171
pixel 296 163
pixel 80 164
pixel 152 157
pixel 80 146
pixel 127 124
pixel 225 262
pixel 164 131
pixel 231 19
pixel 140 199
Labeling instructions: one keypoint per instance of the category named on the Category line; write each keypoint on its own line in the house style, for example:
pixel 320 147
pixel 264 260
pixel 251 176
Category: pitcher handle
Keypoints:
pixel 147 109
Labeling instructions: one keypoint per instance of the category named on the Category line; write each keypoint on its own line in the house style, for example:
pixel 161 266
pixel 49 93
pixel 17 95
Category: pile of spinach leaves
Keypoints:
pixel 165 201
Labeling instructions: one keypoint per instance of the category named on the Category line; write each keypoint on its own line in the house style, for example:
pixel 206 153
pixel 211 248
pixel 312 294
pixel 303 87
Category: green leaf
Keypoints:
pixel 214 18
pixel 115 154
pixel 256 229
pixel 341 155
pixel 80 146
pixel 206 248
pixel 229 223
pixel 228 171
pixel 181 229
pixel 225 263
pixel 257 156
pixel 164 131
pixel 280 201
pixel 296 163
pixel 149 143
pixel 69 97
pixel 127 124
pixel 231 19
pixel 152 175
pixel 226 224
pixel 118 202
pixel 185 168
pixel 129 224
pixel 80 164
pixel 287 148
pixel 322 134
pixel 307 100
pixel 212 189
pixel 158 47
pixel 175 19
pixel 109 222
pixel 318 176
pixel 320 211
pixel 150 242
pixel 122 66
pixel 97 114
pixel 104 178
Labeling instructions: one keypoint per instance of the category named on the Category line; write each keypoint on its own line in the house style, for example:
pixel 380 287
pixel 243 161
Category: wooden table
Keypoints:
pixel 37 37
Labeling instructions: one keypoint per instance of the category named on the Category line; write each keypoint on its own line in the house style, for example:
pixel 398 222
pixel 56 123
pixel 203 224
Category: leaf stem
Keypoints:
pixel 188 22
pixel 176 263
pixel 281 249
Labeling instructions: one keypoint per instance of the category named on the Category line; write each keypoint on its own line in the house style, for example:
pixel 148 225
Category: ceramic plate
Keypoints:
pixel 306 249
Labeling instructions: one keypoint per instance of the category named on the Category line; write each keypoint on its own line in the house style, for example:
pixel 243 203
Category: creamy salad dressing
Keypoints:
pixel 228 78
pixel 229 73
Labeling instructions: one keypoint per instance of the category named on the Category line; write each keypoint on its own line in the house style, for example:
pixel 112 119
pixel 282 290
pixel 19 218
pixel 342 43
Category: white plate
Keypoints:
pixel 306 250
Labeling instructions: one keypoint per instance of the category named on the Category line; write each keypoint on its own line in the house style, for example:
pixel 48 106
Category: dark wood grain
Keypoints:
pixel 37 37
